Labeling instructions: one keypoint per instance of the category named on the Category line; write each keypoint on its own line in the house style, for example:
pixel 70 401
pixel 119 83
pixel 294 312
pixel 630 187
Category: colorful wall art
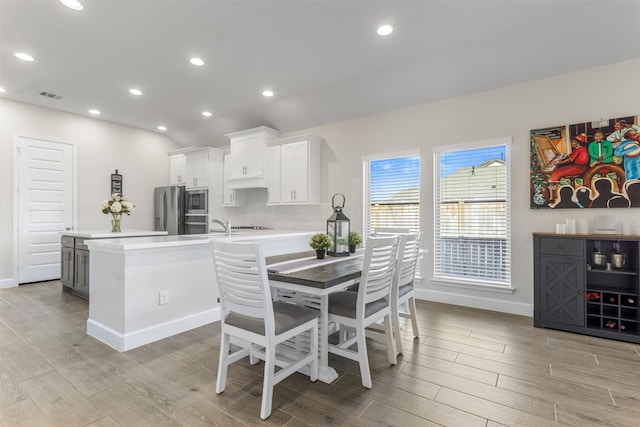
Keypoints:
pixel 586 165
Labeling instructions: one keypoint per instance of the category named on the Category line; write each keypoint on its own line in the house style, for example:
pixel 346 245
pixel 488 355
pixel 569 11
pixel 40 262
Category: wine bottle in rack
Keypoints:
pixel 623 327
pixel 631 301
pixel 610 324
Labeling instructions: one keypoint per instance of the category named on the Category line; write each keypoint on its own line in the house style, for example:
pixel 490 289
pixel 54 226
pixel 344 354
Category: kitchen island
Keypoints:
pixel 144 289
pixel 74 256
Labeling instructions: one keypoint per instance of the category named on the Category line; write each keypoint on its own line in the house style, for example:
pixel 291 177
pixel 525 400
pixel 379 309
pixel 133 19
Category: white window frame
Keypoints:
pixel 459 281
pixel 365 185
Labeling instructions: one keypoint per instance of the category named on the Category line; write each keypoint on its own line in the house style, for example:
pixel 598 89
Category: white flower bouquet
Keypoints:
pixel 117 205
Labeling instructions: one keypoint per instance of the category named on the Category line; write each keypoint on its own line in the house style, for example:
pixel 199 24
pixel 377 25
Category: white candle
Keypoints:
pixel 570 225
pixel 583 226
pixel 561 229
pixel 626 228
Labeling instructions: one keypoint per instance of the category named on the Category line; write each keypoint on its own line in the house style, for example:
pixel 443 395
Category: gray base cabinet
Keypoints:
pixel 74 273
pixel 573 294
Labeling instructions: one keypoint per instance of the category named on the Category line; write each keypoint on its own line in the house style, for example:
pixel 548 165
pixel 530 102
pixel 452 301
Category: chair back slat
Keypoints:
pixel 242 280
pixel 377 270
pixel 408 254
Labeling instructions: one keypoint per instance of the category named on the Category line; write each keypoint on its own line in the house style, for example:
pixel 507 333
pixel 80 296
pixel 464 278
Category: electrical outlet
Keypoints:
pixel 163 297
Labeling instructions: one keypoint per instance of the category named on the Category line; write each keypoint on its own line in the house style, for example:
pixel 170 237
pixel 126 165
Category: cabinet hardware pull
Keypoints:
pixel 560 246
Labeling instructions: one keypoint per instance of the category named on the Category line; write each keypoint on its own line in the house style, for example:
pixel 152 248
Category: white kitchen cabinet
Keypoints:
pixel 300 170
pixel 232 198
pixel 177 169
pixel 197 169
pixel 248 151
pixel 272 174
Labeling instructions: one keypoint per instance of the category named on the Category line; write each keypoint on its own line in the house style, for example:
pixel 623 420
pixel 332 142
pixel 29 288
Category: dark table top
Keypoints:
pixel 322 276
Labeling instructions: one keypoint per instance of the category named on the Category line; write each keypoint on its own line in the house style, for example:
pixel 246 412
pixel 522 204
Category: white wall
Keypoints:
pixel 602 92
pixel 592 94
pixel 101 148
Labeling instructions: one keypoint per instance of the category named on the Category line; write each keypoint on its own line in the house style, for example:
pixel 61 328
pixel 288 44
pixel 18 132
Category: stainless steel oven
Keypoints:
pixel 197 224
pixel 197 202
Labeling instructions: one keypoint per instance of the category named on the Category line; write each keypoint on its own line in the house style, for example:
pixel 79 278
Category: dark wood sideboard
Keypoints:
pixel 572 293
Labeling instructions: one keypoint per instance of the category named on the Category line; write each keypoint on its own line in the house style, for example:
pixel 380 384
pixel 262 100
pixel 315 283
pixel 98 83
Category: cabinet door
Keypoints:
pixel 247 156
pixel 287 172
pixel 177 168
pixel 66 266
pixel 272 174
pixel 81 277
pixel 228 194
pixel 197 170
pixel 295 172
pixel 301 171
pixel 561 290
pixel 239 153
pixel 255 156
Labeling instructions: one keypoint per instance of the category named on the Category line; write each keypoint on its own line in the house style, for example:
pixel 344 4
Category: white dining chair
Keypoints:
pixel 381 231
pixel 357 310
pixel 249 314
pixel 403 303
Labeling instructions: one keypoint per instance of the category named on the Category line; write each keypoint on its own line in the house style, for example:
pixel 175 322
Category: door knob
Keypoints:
pixel 67 228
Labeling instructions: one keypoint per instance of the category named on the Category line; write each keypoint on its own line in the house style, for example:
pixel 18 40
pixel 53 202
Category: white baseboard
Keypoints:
pixel 8 283
pixel 502 306
pixel 124 342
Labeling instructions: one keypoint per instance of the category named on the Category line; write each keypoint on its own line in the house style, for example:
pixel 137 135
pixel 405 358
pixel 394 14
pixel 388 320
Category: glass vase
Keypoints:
pixel 115 224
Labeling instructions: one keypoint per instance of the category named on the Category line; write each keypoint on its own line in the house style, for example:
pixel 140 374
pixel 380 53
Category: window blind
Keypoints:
pixel 472 214
pixel 392 193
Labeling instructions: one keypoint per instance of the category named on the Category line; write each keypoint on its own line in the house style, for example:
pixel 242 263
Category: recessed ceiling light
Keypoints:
pixel 136 92
pixel 23 56
pixel 206 114
pixel 72 4
pixel 162 128
pixel 267 93
pixel 385 30
pixel 94 112
pixel 197 61
pixel 2 90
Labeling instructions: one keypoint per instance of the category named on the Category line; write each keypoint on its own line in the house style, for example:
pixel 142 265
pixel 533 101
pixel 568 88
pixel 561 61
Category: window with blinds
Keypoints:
pixel 472 214
pixel 392 192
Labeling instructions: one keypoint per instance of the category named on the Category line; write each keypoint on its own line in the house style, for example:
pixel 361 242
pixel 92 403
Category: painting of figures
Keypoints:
pixel 586 165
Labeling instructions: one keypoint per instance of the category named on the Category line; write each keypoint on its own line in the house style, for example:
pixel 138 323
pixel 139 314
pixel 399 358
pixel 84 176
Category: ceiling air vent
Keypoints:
pixel 50 95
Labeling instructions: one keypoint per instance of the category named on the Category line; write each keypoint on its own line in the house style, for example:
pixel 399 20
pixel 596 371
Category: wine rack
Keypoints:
pixel 613 311
pixel 576 291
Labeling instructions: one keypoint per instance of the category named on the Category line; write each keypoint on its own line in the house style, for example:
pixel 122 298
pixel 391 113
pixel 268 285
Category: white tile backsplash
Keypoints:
pixel 299 218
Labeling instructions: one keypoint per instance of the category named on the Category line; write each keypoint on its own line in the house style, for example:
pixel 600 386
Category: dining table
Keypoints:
pixel 303 279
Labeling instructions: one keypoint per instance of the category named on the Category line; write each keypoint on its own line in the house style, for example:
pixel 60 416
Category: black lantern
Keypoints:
pixel 338 229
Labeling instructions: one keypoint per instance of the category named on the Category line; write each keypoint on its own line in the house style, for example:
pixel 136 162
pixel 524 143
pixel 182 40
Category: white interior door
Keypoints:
pixel 45 206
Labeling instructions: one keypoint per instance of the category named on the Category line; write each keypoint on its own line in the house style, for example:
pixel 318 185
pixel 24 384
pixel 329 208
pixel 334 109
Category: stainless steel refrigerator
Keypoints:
pixel 169 209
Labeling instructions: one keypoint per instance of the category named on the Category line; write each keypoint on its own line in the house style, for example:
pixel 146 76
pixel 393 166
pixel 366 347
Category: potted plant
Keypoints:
pixel 320 242
pixel 354 241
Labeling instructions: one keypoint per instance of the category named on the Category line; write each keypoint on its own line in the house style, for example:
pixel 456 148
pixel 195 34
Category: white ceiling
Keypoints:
pixel 322 59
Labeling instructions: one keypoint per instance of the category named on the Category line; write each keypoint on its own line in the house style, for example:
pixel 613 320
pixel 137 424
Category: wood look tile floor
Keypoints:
pixel 469 368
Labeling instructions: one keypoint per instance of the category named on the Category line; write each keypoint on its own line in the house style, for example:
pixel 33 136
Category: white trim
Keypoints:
pixel 131 340
pixel 16 184
pixel 8 283
pixel 504 140
pixel 394 155
pixel 502 306
pixel 473 284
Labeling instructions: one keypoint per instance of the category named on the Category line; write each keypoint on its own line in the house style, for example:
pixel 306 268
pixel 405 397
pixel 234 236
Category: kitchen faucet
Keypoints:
pixel 225 223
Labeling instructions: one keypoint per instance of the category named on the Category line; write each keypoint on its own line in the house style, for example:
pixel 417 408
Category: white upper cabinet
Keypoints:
pixel 300 170
pixel 177 169
pixel 248 151
pixel 272 175
pixel 197 169
pixel 231 197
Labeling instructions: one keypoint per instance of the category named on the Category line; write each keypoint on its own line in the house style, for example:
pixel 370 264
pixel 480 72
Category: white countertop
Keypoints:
pixel 151 242
pixel 106 234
